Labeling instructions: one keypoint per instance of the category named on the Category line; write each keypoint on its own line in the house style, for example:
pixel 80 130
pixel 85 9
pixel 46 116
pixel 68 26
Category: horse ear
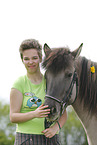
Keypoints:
pixel 47 49
pixel 77 52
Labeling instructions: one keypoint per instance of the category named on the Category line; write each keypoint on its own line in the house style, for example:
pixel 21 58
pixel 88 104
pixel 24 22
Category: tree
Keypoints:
pixel 7 129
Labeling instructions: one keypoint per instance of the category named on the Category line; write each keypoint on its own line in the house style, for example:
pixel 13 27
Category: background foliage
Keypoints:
pixel 71 134
pixel 7 129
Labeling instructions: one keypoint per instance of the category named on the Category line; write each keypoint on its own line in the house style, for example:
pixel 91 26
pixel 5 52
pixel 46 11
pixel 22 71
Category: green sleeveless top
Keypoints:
pixel 33 97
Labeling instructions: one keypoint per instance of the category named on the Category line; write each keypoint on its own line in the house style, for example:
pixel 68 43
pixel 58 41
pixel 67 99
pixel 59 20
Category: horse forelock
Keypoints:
pixel 88 85
pixel 57 60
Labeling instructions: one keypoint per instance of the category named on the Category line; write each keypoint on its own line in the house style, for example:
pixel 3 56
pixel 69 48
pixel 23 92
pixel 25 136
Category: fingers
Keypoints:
pixel 42 111
pixel 47 133
pixel 43 107
pixel 44 131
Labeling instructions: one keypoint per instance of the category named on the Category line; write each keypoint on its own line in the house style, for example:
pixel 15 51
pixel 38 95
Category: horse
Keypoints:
pixel 71 79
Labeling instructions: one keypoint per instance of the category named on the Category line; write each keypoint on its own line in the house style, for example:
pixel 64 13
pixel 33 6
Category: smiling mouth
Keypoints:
pixel 32 66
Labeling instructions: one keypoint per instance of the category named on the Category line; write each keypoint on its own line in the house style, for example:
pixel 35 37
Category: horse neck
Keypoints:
pixel 88 120
pixel 81 106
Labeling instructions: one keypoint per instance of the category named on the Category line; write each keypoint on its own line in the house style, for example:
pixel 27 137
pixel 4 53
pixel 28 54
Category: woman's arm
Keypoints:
pixel 50 132
pixel 62 119
pixel 16 99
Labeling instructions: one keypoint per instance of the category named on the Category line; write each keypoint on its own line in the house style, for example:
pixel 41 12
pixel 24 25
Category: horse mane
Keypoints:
pixel 57 60
pixel 88 85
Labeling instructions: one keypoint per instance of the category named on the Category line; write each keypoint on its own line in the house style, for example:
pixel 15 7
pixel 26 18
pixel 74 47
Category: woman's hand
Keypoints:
pixel 16 99
pixel 41 111
pixel 51 131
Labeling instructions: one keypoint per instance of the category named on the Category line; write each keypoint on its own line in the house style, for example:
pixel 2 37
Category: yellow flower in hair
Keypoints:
pixel 93 69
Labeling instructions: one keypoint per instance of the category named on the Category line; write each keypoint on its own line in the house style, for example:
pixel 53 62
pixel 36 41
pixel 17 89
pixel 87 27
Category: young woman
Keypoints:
pixel 27 98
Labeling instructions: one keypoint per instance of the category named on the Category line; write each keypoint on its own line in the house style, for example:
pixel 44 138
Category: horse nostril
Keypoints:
pixel 53 110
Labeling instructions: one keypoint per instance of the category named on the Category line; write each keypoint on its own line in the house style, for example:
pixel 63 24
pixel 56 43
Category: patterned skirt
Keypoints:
pixel 31 139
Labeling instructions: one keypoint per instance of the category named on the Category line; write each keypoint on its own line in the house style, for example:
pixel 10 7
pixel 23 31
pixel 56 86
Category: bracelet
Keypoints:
pixel 59 125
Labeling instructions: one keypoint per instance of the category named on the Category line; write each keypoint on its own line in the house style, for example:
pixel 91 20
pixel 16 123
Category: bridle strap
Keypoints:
pixel 53 98
pixel 69 92
pixel 65 101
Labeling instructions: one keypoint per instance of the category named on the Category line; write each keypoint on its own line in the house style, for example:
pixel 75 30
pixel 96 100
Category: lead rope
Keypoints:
pixel 47 125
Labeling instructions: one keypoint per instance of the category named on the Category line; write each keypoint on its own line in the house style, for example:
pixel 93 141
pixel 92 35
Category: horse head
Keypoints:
pixel 61 79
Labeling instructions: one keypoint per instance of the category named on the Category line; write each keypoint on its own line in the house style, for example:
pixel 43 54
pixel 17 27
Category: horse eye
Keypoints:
pixel 70 75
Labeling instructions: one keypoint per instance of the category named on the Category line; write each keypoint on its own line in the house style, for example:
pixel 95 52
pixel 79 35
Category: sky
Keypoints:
pixel 58 23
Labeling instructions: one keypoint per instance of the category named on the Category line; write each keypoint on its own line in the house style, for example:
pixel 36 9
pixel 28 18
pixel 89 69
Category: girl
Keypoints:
pixel 27 98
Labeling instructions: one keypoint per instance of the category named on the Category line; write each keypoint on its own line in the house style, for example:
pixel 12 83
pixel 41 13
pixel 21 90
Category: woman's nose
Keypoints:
pixel 30 61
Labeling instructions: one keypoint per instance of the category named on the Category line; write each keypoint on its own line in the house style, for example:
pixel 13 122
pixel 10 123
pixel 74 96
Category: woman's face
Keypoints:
pixel 31 60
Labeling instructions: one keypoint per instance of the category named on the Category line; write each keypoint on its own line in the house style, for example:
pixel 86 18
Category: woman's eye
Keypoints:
pixel 26 58
pixel 35 57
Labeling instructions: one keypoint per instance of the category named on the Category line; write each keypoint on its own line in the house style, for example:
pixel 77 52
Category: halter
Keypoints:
pixel 65 102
